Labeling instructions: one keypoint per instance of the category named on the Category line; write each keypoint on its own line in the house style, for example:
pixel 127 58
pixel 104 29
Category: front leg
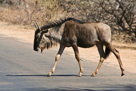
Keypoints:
pixel 75 48
pixel 61 49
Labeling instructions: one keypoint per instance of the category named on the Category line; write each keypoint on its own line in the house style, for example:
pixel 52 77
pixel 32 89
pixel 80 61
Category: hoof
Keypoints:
pixel 80 74
pixel 49 74
pixel 122 74
pixel 93 75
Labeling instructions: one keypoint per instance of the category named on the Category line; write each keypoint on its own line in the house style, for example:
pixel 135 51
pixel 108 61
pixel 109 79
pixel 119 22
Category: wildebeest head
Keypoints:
pixel 39 39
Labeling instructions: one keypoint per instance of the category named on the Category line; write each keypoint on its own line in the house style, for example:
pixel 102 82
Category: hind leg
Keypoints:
pixel 116 53
pixel 101 52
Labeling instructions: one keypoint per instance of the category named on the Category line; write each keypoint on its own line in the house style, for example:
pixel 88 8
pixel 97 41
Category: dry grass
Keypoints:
pixel 42 13
pixel 13 15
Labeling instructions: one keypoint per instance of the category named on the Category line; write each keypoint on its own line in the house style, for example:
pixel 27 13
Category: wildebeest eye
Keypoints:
pixel 45 31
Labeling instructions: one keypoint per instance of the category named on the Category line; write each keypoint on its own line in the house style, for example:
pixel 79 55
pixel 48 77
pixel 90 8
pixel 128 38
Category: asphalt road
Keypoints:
pixel 22 69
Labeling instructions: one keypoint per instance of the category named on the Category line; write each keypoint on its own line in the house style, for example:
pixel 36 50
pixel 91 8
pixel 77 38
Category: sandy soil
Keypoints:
pixel 127 51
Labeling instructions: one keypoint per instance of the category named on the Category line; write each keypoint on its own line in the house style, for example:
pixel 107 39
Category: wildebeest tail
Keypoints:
pixel 107 53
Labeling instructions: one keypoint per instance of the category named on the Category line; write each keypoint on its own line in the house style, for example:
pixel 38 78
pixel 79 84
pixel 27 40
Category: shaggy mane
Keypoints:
pixel 59 23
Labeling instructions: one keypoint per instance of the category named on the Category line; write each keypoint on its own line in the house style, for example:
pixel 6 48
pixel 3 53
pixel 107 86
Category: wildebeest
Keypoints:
pixel 71 32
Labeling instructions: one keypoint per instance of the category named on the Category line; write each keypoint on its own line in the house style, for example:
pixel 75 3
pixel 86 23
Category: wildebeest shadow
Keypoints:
pixel 63 75
pixel 24 75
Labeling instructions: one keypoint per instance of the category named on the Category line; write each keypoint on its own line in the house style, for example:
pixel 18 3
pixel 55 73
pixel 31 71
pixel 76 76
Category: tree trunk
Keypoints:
pixel 135 31
pixel 36 3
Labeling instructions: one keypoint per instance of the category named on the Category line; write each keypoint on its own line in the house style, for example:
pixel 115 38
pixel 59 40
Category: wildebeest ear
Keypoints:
pixel 45 31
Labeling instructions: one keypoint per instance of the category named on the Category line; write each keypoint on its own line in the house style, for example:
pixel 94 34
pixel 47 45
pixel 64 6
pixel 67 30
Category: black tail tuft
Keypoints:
pixel 107 53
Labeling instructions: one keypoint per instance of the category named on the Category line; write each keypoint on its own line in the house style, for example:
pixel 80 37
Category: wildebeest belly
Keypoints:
pixel 86 36
pixel 86 43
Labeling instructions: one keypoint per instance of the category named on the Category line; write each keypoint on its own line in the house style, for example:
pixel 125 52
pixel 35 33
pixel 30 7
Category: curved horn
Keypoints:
pixel 36 25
